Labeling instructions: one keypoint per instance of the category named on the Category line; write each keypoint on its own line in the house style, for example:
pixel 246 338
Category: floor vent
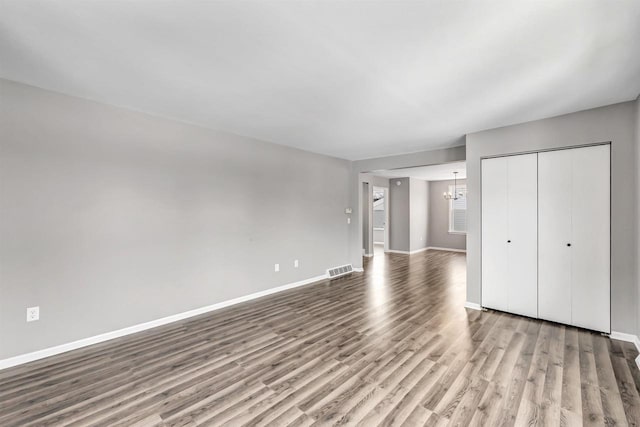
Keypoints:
pixel 339 271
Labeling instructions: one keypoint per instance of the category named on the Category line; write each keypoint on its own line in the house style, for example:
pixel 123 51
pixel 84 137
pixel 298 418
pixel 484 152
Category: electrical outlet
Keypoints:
pixel 296 264
pixel 33 313
pixel 276 267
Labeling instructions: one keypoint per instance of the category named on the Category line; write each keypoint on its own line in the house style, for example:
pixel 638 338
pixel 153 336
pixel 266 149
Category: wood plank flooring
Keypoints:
pixel 390 346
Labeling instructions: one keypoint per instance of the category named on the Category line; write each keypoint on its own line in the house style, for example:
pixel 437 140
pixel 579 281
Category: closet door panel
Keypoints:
pixel 554 232
pixel 590 260
pixel 522 265
pixel 494 233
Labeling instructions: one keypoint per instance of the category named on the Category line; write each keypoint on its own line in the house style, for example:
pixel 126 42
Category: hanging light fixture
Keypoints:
pixel 456 195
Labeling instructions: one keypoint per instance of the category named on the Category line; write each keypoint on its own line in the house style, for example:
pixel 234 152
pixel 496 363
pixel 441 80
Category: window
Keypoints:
pixel 458 211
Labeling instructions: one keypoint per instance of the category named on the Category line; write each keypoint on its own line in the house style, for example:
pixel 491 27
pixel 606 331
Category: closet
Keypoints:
pixel 509 238
pixel 546 235
pixel 573 237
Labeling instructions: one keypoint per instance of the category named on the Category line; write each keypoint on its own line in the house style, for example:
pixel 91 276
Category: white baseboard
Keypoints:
pixel 393 251
pixel 629 338
pixel 418 250
pixel 436 248
pixel 472 305
pixel 428 248
pixel 52 351
pixel 626 337
pixel 368 255
pixel 358 269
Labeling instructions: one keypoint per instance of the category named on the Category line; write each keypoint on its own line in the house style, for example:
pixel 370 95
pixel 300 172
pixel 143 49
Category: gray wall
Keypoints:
pixel 367 218
pixel 423 158
pixel 110 218
pixel 379 181
pixel 378 218
pixel 379 214
pixel 366 238
pixel 399 215
pixel 613 123
pixel 375 217
pixel 439 235
pixel 419 219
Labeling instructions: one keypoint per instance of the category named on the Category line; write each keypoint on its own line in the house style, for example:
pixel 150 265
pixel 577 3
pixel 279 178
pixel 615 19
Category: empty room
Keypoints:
pixel 319 213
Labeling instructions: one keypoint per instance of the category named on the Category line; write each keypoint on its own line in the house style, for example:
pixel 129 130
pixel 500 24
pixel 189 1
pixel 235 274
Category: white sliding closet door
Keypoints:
pixel 590 238
pixel 574 237
pixel 509 234
pixel 554 219
pixel 494 233
pixel 522 263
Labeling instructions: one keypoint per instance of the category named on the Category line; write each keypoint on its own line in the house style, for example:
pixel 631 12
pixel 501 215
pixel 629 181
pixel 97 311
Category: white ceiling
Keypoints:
pixel 427 173
pixel 346 78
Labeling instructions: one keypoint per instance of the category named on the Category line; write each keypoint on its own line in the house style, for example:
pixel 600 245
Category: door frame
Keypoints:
pixel 387 224
pixel 385 191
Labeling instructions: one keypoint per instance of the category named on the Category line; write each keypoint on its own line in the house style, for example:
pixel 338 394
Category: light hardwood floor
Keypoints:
pixel 391 346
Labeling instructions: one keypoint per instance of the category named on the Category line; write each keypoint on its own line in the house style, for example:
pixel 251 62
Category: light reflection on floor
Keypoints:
pixel 380 294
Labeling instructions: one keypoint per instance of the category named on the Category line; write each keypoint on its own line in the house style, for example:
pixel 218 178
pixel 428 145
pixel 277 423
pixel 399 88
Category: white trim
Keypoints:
pixel 626 337
pixel 436 248
pixel 367 255
pixel 378 243
pixel 418 250
pixel 393 251
pixel 629 338
pixel 387 223
pixel 472 305
pixel 358 269
pixel 52 351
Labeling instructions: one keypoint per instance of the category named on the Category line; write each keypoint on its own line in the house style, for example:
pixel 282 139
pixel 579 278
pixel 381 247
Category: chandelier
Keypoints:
pixel 456 195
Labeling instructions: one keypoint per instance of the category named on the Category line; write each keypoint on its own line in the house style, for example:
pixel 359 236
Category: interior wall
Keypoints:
pixel 367 238
pixel 379 181
pixel 615 123
pixel 111 218
pixel 359 169
pixel 379 218
pixel 399 215
pixel 419 214
pixel 364 213
pixel 439 235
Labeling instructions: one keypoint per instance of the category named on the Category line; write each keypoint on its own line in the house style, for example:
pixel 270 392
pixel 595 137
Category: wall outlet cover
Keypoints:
pixel 276 267
pixel 33 313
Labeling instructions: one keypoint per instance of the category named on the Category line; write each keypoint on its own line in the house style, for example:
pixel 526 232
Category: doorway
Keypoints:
pixel 380 223
pixel 367 238
pixel 408 210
